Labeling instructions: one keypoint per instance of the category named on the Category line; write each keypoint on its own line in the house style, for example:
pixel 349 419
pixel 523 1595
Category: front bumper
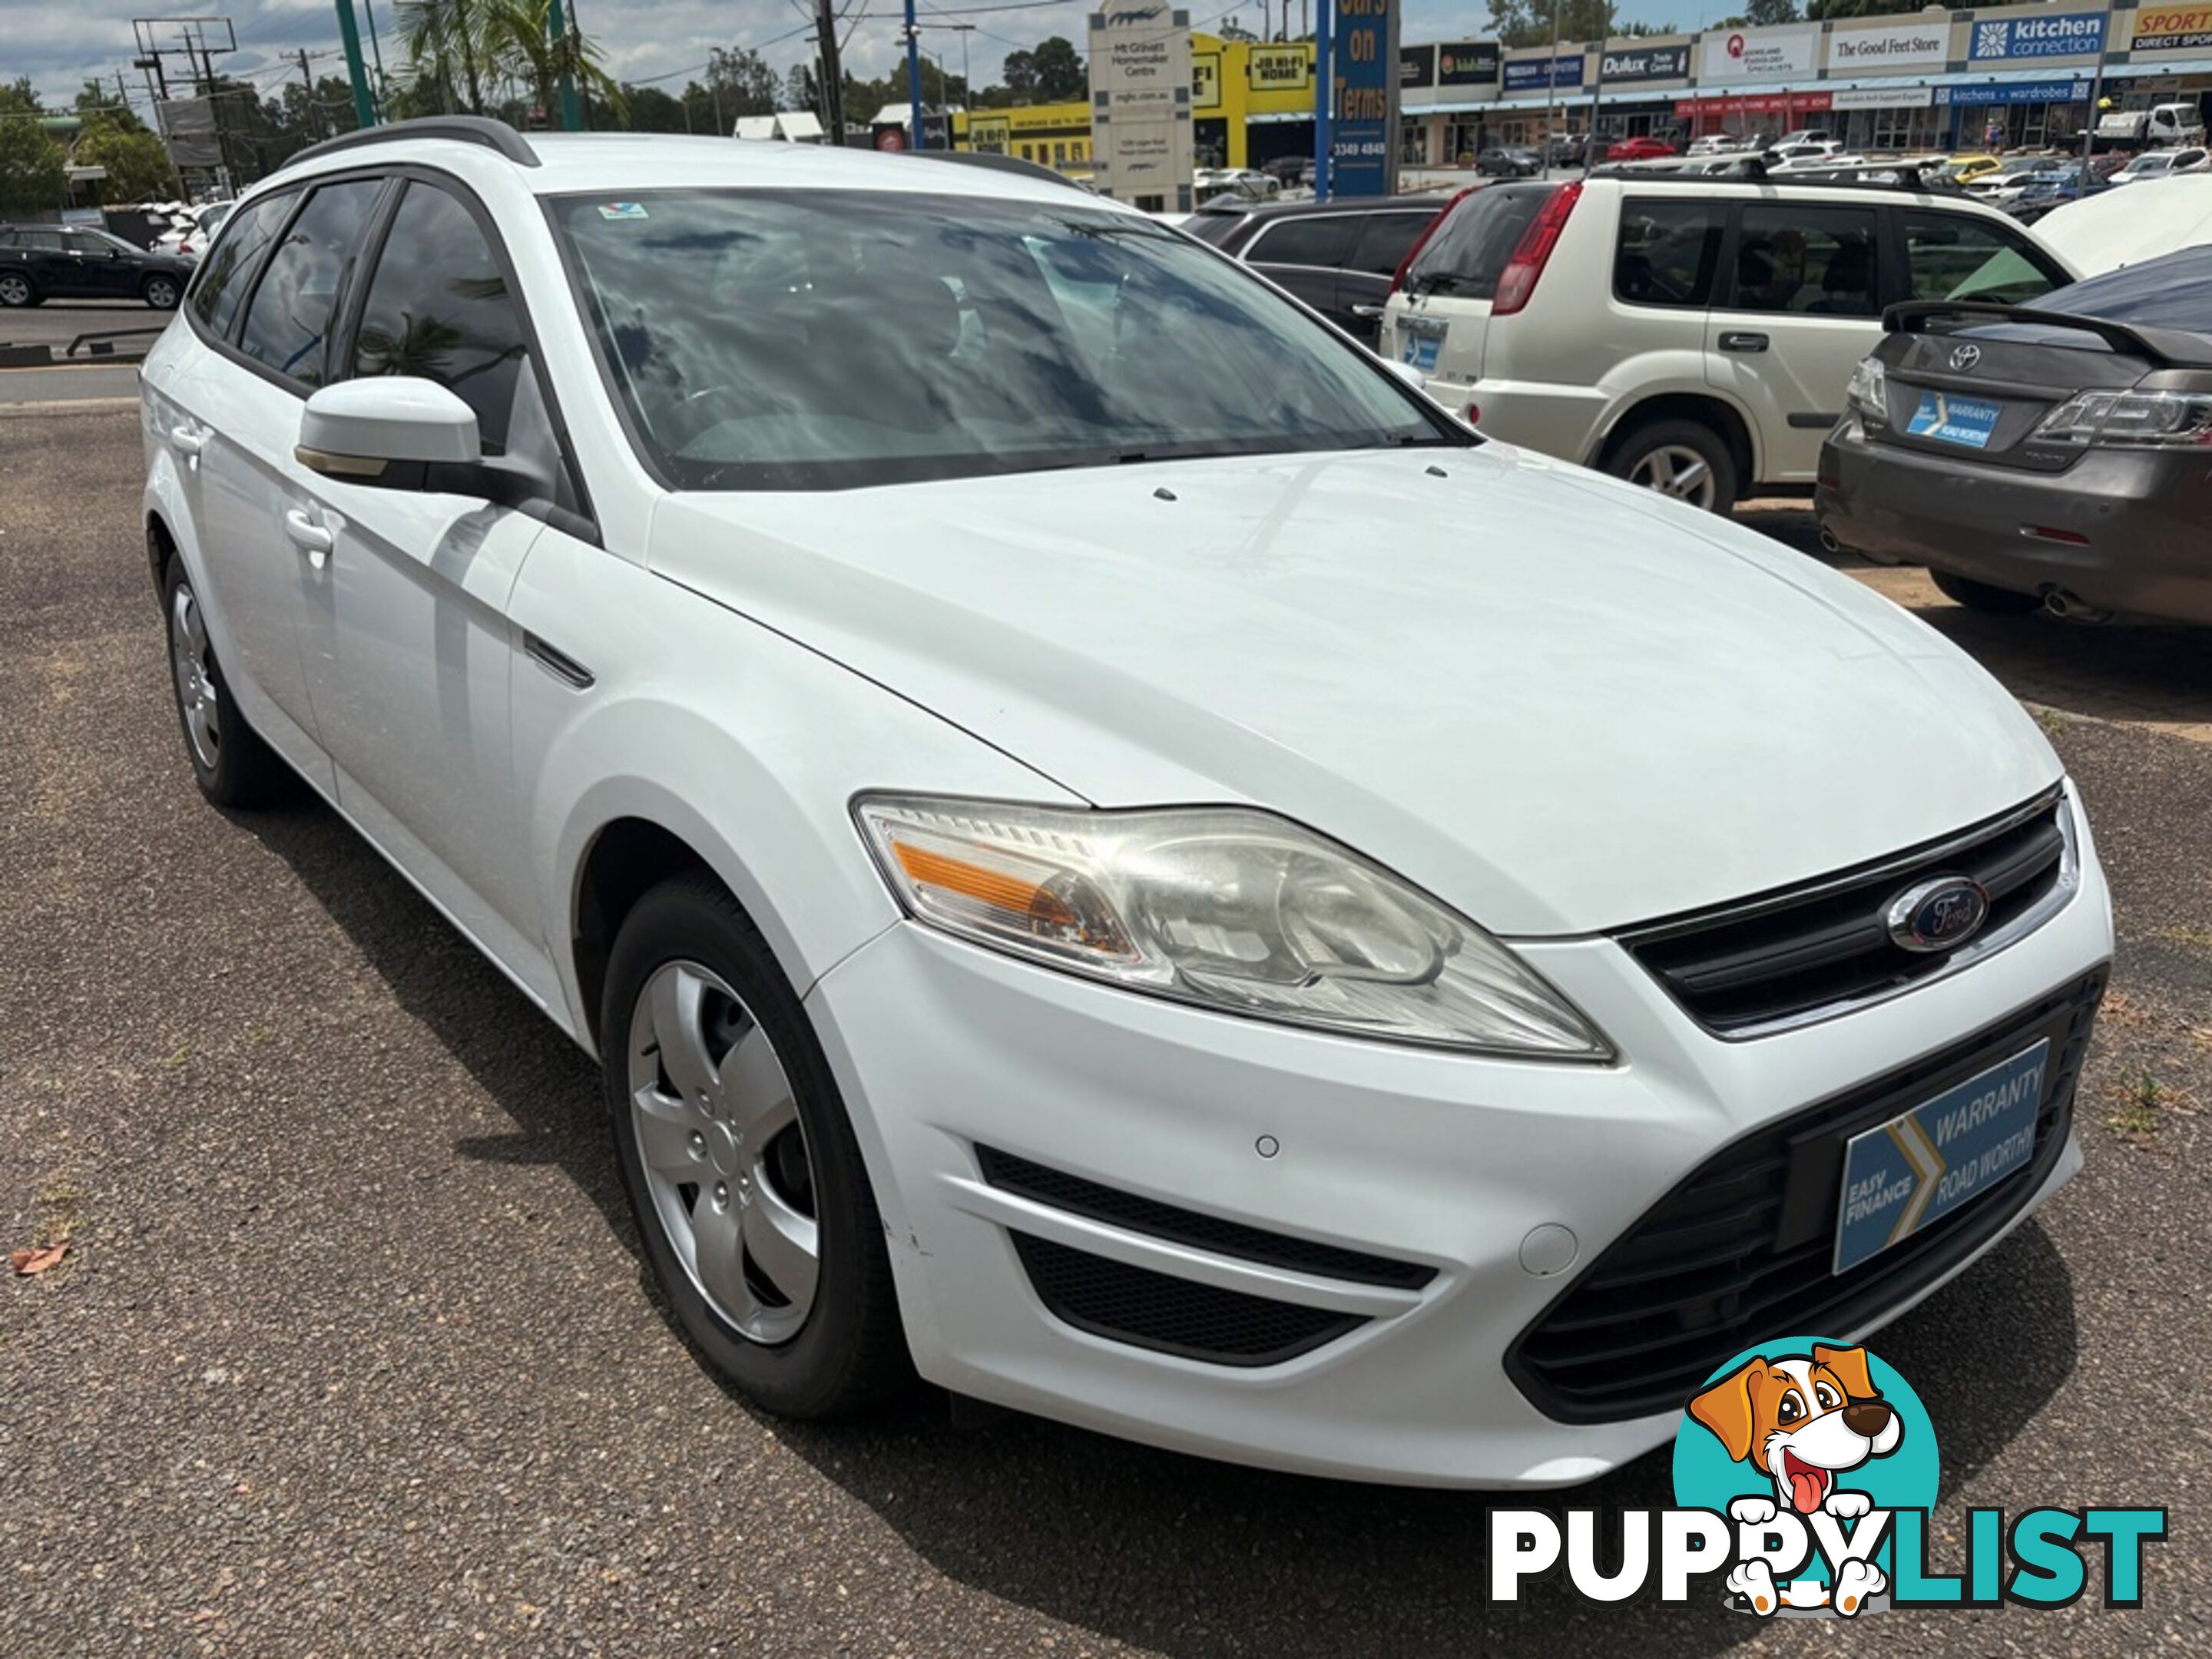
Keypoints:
pixel 2141 512
pixel 1504 1178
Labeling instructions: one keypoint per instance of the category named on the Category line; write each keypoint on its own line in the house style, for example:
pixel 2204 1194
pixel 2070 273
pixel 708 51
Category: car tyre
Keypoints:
pixel 1980 596
pixel 741 1161
pixel 16 291
pixel 162 291
pixel 1686 459
pixel 231 763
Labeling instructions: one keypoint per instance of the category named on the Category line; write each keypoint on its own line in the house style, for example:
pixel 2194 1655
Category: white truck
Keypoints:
pixel 2160 123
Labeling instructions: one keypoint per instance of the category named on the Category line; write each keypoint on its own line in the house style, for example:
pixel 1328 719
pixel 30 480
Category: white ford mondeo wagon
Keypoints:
pixel 1113 854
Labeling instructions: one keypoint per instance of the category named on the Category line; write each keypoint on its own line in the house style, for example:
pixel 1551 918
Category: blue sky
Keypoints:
pixel 58 45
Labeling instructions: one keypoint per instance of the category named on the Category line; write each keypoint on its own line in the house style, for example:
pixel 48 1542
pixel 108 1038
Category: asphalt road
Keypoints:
pixel 354 1352
pixel 57 322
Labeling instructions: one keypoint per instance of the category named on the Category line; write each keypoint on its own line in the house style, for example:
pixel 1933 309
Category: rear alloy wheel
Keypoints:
pixel 15 289
pixel 232 765
pixel 161 292
pixel 1686 459
pixel 741 1166
pixel 1980 596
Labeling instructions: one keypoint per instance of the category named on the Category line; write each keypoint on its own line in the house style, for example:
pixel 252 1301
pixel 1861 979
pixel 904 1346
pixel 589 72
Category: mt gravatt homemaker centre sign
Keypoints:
pixel 1142 147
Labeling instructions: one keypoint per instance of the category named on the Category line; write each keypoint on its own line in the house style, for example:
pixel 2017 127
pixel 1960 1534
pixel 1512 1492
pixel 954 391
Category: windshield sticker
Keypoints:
pixel 622 209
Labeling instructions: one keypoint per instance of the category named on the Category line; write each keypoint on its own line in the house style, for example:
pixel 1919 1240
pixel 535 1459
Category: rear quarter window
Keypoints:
pixel 1667 252
pixel 1468 253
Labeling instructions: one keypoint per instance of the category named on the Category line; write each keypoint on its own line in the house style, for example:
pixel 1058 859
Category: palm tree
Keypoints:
pixel 519 43
pixel 438 34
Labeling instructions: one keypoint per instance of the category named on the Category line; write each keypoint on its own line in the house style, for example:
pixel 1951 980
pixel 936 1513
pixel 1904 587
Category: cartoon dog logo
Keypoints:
pixel 1801 1420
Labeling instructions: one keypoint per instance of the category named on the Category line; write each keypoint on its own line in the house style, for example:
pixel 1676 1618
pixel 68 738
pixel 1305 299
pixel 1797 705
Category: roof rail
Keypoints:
pixel 995 162
pixel 1908 177
pixel 457 128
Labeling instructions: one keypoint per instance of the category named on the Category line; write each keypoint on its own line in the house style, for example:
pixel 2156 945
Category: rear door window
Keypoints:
pixel 1955 256
pixel 220 281
pixel 1322 242
pixel 1668 253
pixel 1809 260
pixel 1384 241
pixel 1468 253
pixel 288 322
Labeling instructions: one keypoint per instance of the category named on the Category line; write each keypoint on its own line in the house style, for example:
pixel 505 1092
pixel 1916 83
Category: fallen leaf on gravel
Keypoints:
pixel 28 1262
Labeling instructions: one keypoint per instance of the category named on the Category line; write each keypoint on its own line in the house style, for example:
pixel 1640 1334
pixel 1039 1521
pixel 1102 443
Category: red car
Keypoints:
pixel 1640 150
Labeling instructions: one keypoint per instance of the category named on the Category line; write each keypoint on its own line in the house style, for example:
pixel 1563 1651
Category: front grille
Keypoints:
pixel 1742 1250
pixel 1787 954
pixel 1172 1315
pixel 1205 1232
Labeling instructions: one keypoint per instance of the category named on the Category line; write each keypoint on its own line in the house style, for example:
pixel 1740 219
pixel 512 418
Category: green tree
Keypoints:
pixel 444 40
pixel 1528 22
pixel 32 175
pixel 137 165
pixel 519 47
pixel 650 110
pixel 101 109
pixel 1821 10
pixel 1050 72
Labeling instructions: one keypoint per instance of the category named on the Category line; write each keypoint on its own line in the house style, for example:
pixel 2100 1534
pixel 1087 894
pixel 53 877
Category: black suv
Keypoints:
pixel 75 262
pixel 1337 256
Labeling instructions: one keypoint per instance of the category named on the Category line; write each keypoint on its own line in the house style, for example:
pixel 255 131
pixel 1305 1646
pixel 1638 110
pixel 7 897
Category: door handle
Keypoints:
pixel 1734 342
pixel 1367 311
pixel 188 440
pixel 310 537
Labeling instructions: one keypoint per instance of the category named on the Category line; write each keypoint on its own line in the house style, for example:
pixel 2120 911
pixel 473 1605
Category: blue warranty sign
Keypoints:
pixel 1900 1175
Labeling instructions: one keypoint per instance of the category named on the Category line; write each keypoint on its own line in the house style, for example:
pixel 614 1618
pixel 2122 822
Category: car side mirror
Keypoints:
pixel 394 432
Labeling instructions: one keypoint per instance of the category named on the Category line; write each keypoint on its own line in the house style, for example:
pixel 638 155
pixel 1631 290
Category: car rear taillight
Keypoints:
pixel 1518 280
pixel 2131 420
pixel 1398 279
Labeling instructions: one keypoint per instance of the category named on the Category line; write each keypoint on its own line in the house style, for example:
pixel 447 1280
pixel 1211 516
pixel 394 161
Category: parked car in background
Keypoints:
pixel 70 262
pixel 1155 886
pixel 2049 191
pixel 1247 182
pixel 1566 150
pixel 1692 335
pixel 2050 455
pixel 2178 123
pixel 2118 227
pixel 1291 171
pixel 2004 185
pixel 1339 256
pixel 2162 164
pixel 1799 148
pixel 1504 162
pixel 1639 149
pixel 198 236
pixel 1964 169
pixel 1715 144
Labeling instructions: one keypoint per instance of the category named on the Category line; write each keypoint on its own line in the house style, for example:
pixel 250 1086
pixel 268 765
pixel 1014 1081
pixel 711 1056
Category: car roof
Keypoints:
pixel 1226 209
pixel 618 163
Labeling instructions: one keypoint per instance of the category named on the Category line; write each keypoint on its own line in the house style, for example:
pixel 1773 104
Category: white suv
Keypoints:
pixel 1110 852
pixel 1691 335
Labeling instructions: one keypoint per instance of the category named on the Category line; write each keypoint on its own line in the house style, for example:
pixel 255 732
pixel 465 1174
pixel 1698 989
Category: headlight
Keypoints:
pixel 1230 909
pixel 1869 392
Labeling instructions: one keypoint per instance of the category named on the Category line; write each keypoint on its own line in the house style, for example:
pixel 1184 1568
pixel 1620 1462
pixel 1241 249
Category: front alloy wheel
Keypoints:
pixel 724 1153
pixel 162 293
pixel 754 1204
pixel 15 288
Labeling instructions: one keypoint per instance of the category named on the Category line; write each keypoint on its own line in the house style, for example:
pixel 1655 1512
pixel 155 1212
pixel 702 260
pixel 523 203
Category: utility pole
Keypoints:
pixel 832 72
pixel 1551 93
pixel 376 49
pixel 918 134
pixel 364 106
pixel 1597 93
pixel 572 118
pixel 1324 95
pixel 2096 97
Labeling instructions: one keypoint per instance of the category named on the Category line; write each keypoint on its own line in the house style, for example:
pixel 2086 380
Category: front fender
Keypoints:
pixel 744 745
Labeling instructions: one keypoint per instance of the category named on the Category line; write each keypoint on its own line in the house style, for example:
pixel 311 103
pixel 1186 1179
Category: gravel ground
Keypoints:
pixel 354 1351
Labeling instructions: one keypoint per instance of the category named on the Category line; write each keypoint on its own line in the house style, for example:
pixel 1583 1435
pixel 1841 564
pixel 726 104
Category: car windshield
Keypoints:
pixel 769 340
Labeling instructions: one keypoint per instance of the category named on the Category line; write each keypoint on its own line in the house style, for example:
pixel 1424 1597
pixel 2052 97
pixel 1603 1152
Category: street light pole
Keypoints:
pixel 1551 93
pixel 917 137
